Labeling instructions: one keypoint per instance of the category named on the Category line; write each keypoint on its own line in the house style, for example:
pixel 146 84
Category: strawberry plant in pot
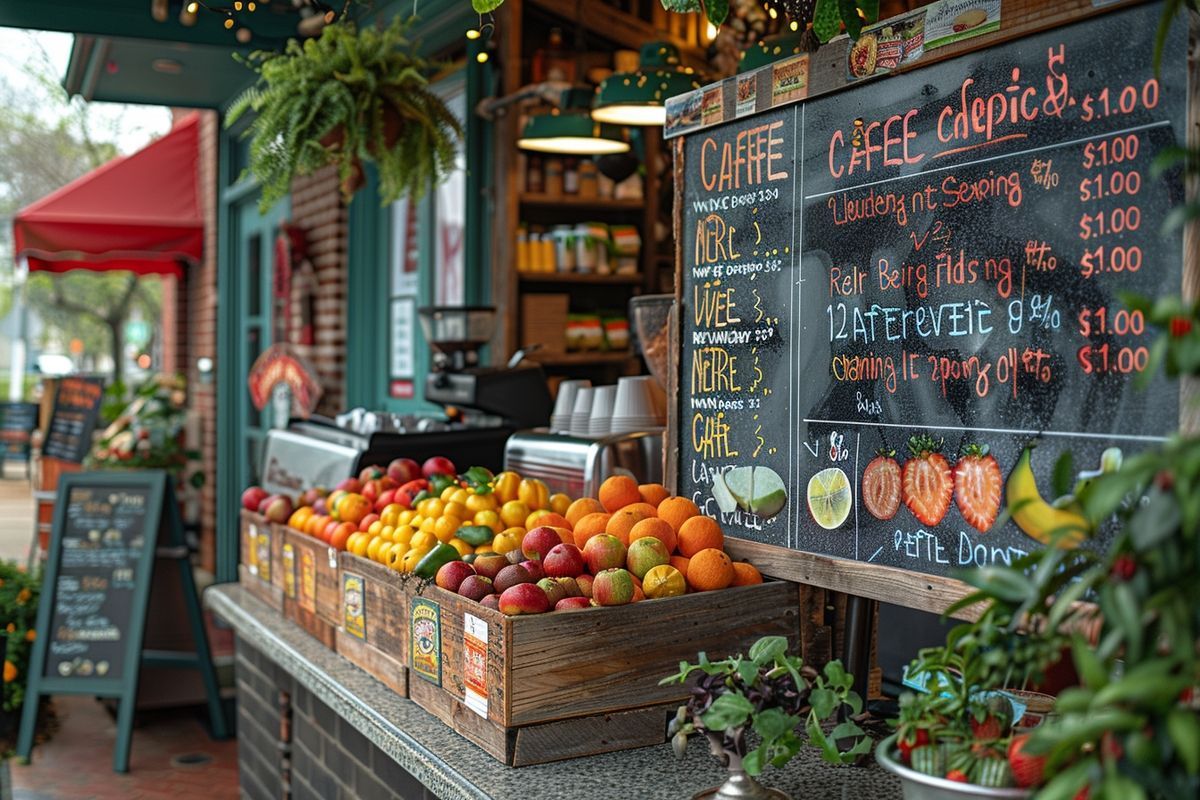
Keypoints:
pixel 347 97
pixel 758 710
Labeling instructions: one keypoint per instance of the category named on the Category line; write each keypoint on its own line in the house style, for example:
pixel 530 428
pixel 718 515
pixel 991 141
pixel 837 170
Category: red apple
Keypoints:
pixel 253 497
pixel 613 587
pixel 403 470
pixel 511 576
pixel 540 541
pixel 311 496
pixel 534 568
pixel 563 561
pixel 407 493
pixel 365 522
pixel 572 604
pixel 385 499
pixel 370 490
pixel 489 564
pixel 475 587
pixel 438 465
pixel 553 589
pixel 491 601
pixel 353 485
pixel 603 551
pixel 371 473
pixel 585 582
pixel 278 508
pixel 321 507
pixel 451 575
pixel 386 483
pixel 523 598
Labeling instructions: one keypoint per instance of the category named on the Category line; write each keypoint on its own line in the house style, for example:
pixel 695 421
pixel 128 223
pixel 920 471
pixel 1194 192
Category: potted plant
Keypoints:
pixel 1127 613
pixel 766 698
pixel 19 591
pixel 348 96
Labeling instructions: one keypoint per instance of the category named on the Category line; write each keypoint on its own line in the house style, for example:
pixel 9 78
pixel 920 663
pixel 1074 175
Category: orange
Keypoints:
pixel 353 507
pixel 700 533
pixel 341 534
pixel 299 517
pixel 617 492
pixel 589 526
pixel 745 574
pixel 559 503
pixel 581 508
pixel 710 569
pixel 645 508
pixel 653 493
pixel 539 518
pixel 677 510
pixel 680 563
pixel 622 522
pixel 659 529
pixel 663 581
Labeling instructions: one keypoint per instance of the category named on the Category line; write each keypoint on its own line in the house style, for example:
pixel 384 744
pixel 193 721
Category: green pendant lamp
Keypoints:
pixel 770 49
pixel 640 97
pixel 572 130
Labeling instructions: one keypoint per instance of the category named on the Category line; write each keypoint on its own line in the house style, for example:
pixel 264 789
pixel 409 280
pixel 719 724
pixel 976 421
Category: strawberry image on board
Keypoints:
pixel 927 484
pixel 881 485
pixel 977 485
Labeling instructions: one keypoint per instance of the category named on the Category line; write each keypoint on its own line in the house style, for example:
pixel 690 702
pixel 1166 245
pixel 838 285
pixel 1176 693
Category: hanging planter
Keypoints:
pixel 348 97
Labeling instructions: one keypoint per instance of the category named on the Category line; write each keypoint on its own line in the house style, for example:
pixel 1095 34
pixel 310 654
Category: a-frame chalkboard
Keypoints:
pixel 110 530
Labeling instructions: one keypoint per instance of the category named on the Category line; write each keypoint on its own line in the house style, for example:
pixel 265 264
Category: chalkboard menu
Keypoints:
pixel 104 540
pixel 76 408
pixel 17 423
pixel 890 292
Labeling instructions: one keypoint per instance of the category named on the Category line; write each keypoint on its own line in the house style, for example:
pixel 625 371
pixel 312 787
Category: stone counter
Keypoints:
pixel 352 737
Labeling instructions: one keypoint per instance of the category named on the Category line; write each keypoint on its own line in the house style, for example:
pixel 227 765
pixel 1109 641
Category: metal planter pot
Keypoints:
pixel 919 786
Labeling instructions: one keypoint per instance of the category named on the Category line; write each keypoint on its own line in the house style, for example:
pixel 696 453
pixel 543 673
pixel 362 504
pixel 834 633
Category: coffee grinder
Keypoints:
pixel 516 393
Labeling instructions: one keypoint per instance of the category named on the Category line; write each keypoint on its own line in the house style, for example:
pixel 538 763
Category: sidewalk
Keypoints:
pixel 16 513
pixel 172 758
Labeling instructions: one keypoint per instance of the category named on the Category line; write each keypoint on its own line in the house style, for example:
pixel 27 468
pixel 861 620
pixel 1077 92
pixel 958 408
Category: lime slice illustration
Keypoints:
pixel 829 497
pixel 721 494
pixel 739 482
pixel 768 494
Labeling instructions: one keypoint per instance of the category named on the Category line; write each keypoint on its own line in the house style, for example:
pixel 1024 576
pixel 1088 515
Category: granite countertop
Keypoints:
pixel 455 769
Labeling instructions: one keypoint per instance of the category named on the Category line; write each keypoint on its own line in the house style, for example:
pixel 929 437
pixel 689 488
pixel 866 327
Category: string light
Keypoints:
pixel 237 6
pixel 193 7
pixel 473 34
pixel 250 7
pixel 228 23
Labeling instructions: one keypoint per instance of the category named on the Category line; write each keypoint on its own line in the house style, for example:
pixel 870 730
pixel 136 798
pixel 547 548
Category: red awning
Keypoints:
pixel 139 213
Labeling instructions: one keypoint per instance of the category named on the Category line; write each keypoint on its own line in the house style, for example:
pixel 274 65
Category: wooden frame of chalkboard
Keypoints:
pixel 741 159
pixel 114 525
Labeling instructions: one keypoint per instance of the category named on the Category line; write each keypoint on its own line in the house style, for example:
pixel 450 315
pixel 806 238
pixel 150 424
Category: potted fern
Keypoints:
pixel 348 96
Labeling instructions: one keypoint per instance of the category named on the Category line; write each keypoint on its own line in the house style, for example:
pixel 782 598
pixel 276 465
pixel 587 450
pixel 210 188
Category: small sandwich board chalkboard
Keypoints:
pixel 110 532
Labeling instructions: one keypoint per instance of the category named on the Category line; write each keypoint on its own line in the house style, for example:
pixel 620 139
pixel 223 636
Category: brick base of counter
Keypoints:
pixel 290 741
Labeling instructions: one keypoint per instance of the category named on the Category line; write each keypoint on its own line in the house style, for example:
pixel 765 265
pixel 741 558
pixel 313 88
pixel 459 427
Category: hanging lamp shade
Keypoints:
pixel 771 49
pixel 640 97
pixel 572 130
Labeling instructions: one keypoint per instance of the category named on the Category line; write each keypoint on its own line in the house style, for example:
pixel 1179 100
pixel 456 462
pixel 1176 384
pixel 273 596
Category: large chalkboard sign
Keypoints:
pixel 76 409
pixel 927 262
pixel 109 529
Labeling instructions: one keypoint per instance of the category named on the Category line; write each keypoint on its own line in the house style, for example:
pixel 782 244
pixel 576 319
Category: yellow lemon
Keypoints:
pixel 516 531
pixel 403 534
pixel 460 495
pixel 559 503
pixel 416 520
pixel 360 546
pixel 395 554
pixel 352 541
pixel 448 493
pixel 387 532
pixel 376 527
pixel 505 543
pixel 405 517
pixel 534 493
pixel 373 547
pixel 456 509
pixel 489 519
pixel 428 524
pixel 505 486
pixel 531 521
pixel 391 513
pixel 481 502
pixel 462 547
pixel 423 540
pixel 445 527
pixel 514 512
pixel 411 559
pixel 663 581
pixel 434 508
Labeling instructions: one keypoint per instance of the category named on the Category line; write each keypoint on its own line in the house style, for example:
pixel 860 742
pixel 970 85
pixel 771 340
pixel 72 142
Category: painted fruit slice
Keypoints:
pixel 829 497
pixel 768 494
pixel 722 495
pixel 739 481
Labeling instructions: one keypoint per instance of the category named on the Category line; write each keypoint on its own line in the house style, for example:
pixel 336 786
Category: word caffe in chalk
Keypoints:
pixel 890 293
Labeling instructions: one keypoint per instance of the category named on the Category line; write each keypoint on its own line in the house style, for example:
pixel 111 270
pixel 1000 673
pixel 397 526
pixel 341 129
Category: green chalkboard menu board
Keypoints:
pixel 889 292
pixel 76 409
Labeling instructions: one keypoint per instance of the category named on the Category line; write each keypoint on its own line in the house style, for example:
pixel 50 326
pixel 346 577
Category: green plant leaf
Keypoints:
pixel 767 649
pixel 681 6
pixel 1184 729
pixel 827 19
pixel 1064 474
pixel 485 6
pixel 824 702
pixel 870 10
pixel 716 11
pixel 727 711
pixel 849 13
pixel 1155 520
pixel 1066 784
pixel 1088 664
pixel 752 762
pixel 747 671
pixel 771 723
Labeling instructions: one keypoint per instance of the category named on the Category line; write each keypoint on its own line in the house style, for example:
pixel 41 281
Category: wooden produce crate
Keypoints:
pixel 315 600
pixel 260 559
pixel 374 630
pixel 540 688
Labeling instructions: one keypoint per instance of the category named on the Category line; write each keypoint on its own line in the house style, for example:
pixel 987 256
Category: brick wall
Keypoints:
pixel 292 745
pixel 318 210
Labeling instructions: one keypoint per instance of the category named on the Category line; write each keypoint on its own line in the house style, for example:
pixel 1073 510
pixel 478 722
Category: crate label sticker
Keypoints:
pixel 354 610
pixel 251 549
pixel 289 572
pixel 308 580
pixel 333 558
pixel 475 638
pixel 426 637
pixel 262 555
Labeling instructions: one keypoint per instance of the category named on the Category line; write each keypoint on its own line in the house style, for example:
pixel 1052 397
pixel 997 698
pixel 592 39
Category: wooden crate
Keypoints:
pixel 315 600
pixel 546 687
pixel 374 629
pixel 260 559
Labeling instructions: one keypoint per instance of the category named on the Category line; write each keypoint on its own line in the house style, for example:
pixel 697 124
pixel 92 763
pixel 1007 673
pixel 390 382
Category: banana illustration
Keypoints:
pixel 1040 520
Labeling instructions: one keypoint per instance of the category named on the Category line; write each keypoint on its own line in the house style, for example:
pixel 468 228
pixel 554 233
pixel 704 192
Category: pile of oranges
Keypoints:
pixel 630 511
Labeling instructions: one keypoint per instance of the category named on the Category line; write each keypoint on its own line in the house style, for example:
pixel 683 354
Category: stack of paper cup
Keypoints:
pixel 603 400
pixel 581 415
pixel 635 406
pixel 564 404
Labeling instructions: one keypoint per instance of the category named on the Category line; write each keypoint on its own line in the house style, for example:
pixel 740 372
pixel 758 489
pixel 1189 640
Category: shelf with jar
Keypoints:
pixel 584 249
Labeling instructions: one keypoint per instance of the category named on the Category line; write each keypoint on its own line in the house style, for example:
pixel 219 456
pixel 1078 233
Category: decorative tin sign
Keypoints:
pixel 426 638
pixel 354 611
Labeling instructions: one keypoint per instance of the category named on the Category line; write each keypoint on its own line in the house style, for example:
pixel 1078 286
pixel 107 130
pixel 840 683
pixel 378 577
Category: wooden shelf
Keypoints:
pixel 579 277
pixel 540 201
pixel 582 359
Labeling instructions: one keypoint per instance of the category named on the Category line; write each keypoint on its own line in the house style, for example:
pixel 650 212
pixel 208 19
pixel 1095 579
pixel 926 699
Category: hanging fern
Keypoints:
pixel 347 97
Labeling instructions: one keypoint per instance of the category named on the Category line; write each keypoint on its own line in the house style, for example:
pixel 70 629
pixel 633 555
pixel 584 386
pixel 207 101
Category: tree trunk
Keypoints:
pixel 117 338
